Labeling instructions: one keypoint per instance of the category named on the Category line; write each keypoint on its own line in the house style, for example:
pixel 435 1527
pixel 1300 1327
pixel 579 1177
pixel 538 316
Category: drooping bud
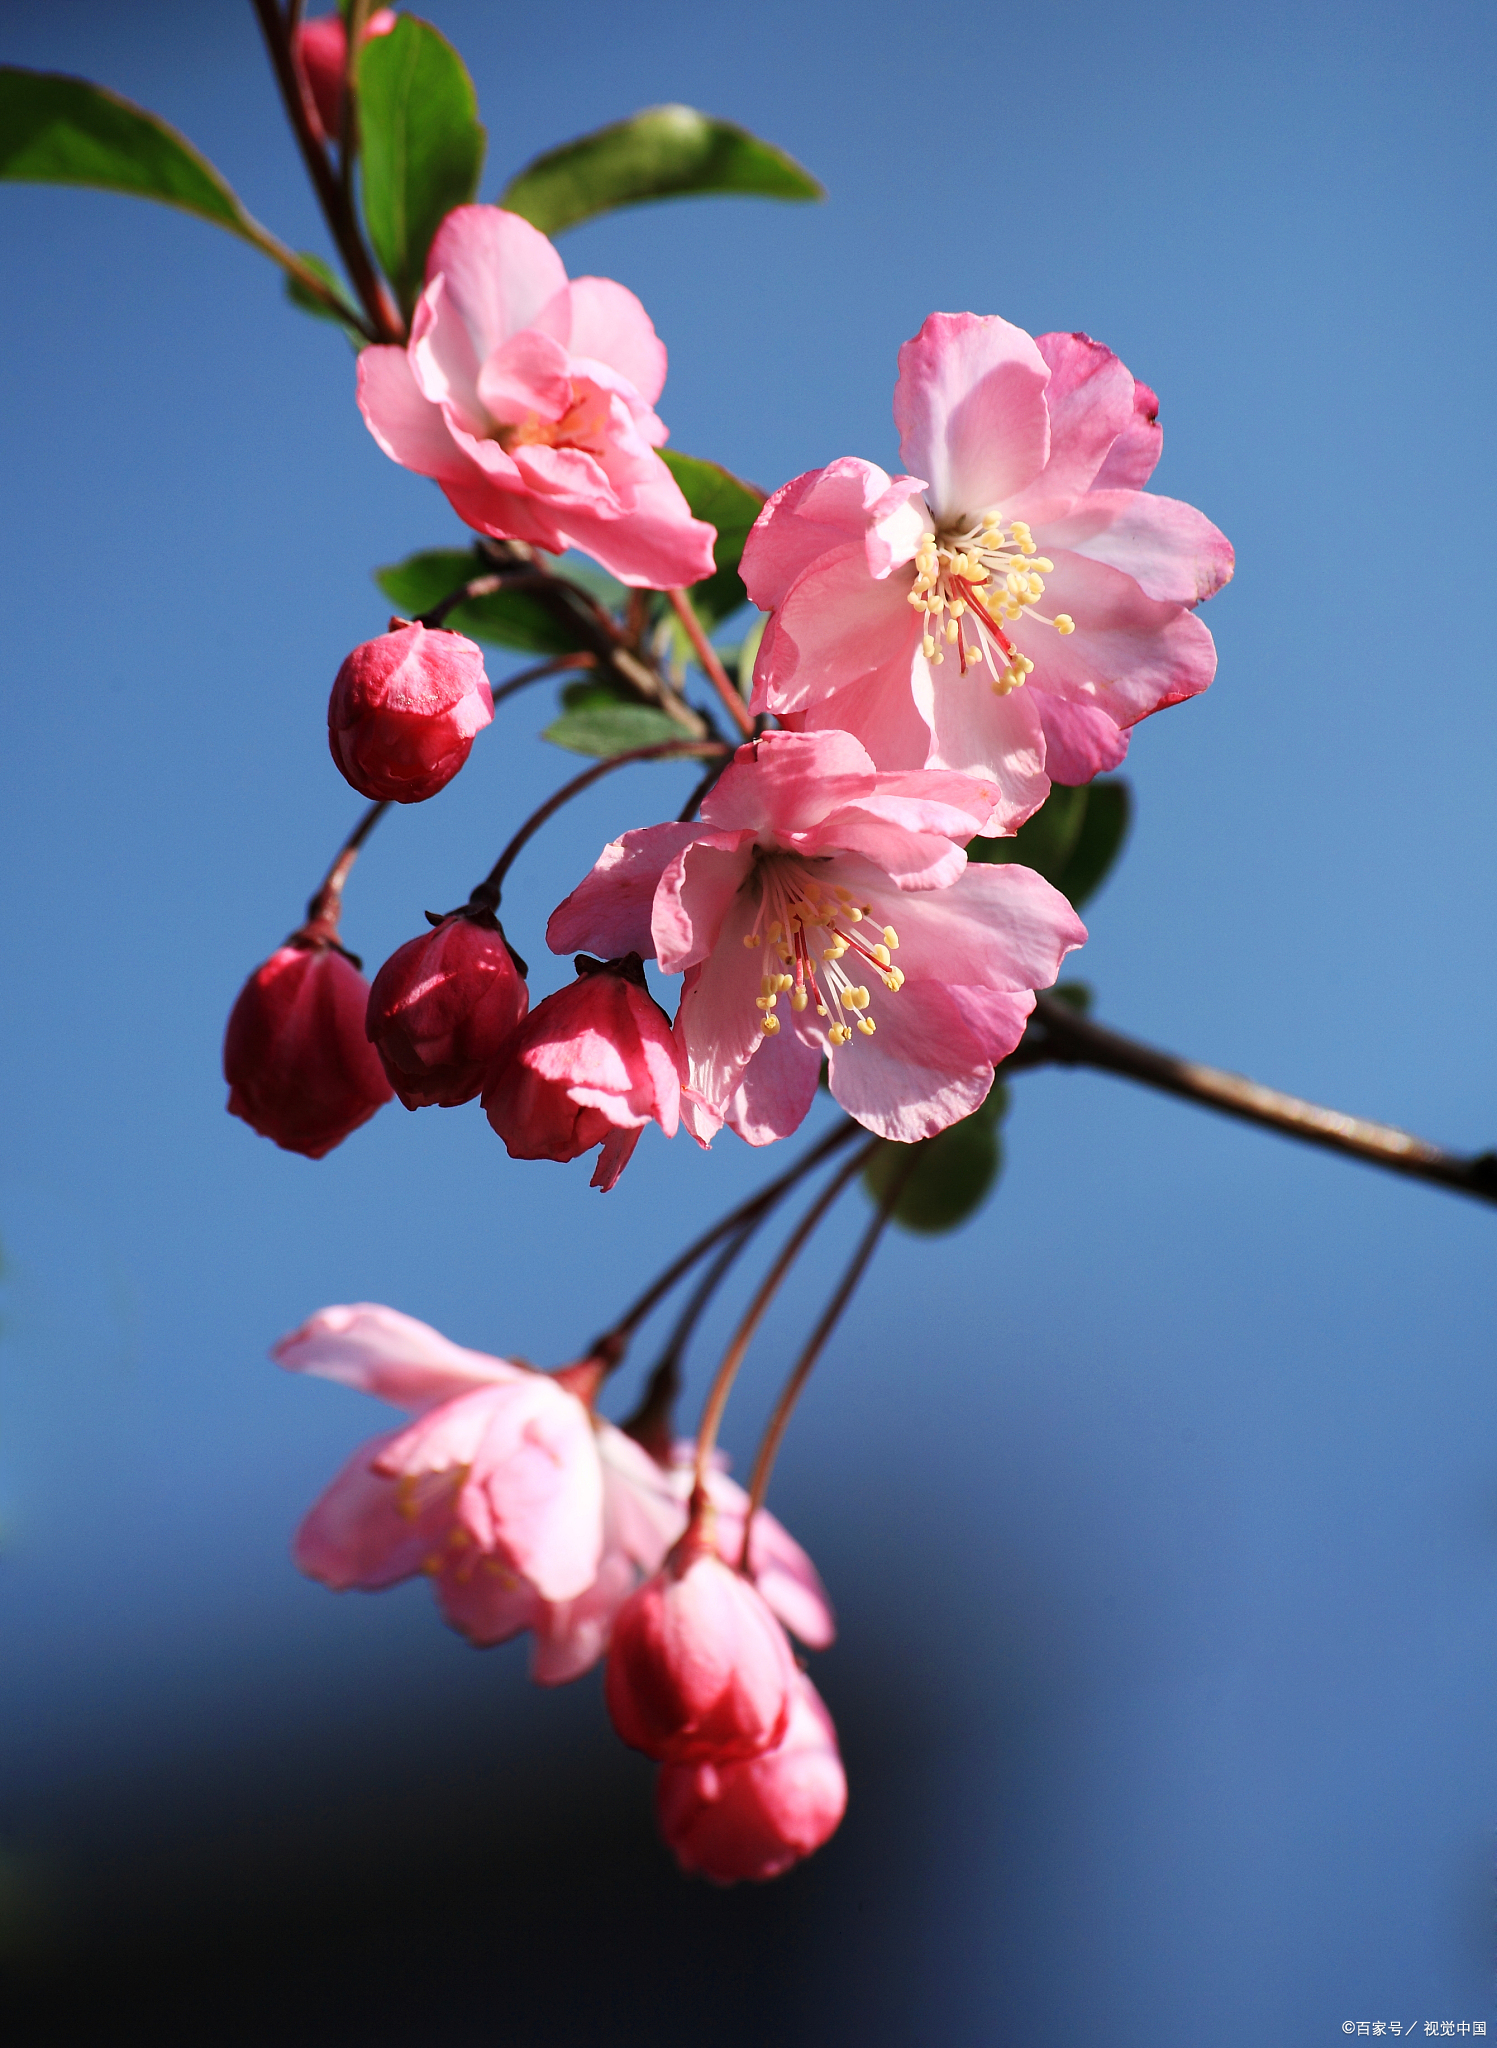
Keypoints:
pixel 754 1819
pixel 404 710
pixel 298 1065
pixel 321 49
pixel 699 1670
pixel 591 1065
pixel 444 1008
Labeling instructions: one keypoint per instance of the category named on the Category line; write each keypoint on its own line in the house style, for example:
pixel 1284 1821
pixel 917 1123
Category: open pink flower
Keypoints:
pixel 754 1819
pixel 498 1472
pixel 790 888
pixel 591 1065
pixel 1013 608
pixel 529 400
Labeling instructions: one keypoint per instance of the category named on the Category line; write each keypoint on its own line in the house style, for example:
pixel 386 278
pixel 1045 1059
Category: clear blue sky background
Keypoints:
pixel 1160 1504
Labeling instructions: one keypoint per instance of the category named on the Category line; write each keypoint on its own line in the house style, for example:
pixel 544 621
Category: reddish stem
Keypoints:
pixel 707 655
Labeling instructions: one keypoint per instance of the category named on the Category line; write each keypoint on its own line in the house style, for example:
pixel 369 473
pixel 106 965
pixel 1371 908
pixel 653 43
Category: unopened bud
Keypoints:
pixel 404 710
pixel 298 1065
pixel 444 1008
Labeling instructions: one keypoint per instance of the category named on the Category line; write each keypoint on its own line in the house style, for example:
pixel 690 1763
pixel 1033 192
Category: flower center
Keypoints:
pixel 813 930
pixel 580 426
pixel 972 586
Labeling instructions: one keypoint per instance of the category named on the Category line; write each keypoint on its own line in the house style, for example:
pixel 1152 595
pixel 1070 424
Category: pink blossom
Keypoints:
pixel 529 400
pixel 298 1065
pixel 810 864
pixel 404 710
pixel 593 1064
pixel 699 1670
pixel 754 1819
pixel 321 49
pixel 497 1473
pixel 443 1009
pixel 1020 603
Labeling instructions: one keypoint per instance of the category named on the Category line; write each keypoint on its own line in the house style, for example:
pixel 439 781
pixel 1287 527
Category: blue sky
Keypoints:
pixel 1158 1503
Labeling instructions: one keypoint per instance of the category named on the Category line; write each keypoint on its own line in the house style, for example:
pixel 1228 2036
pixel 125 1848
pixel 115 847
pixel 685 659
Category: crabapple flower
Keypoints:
pixel 444 1007
pixel 1016 606
pixel 754 1819
pixel 808 872
pixel 404 711
pixel 497 1472
pixel 699 1670
pixel 529 400
pixel 321 49
pixel 298 1065
pixel 780 1569
pixel 592 1064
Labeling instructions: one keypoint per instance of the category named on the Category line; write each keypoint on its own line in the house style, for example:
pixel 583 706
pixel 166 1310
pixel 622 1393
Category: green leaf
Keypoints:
pixel 599 719
pixel 309 302
pixel 952 1175
pixel 422 145
pixel 662 153
pixel 1072 839
pixel 732 506
pixel 1109 812
pixel 56 130
pixel 509 618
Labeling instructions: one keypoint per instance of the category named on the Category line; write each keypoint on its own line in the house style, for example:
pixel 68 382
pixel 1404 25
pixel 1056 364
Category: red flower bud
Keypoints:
pixel 591 1065
pixel 403 712
pixel 699 1670
pixel 298 1065
pixel 755 1819
pixel 444 1007
pixel 321 49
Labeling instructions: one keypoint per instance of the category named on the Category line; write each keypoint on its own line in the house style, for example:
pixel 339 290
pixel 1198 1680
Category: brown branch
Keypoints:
pixel 337 209
pixel 1060 1036
pixel 706 654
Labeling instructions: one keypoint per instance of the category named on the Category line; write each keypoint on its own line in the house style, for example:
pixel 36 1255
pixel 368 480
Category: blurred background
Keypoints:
pixel 1160 1503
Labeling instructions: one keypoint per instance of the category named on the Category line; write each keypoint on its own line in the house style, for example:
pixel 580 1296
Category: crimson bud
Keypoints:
pixel 403 712
pixel 444 1007
pixel 298 1065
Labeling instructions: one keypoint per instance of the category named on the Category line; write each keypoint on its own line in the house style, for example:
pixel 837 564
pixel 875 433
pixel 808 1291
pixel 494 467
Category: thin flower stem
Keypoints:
pixel 1065 1038
pixel 328 902
pixel 490 888
pixel 733 1357
pixel 650 1424
pixel 707 655
pixel 614 1340
pixel 337 208
pixel 784 1408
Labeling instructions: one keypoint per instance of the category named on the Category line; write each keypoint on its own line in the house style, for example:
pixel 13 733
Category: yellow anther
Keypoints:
pixel 833 952
pixel 894 980
pixel 953 632
pixel 1045 566
pixel 799 1000
pixel 786 981
pixel 752 939
pixel 927 647
pixel 1064 623
pixel 867 1026
pixel 769 1026
pixel 880 954
pixel 855 914
pixel 769 984
pixel 821 1010
pixel 891 937
pixel 839 1034
pixel 958 607
pixel 777 930
pixel 855 998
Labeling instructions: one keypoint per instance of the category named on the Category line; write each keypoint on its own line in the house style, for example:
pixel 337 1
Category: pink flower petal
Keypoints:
pixel 1171 550
pixel 1129 654
pixel 970 409
pixel 777 1089
pixel 527 376
pixel 608 323
pixel 921 1070
pixel 408 426
pixel 1090 400
pixel 694 894
pixel 382 1352
pixel 357 1534
pixel 837 625
pixel 608 913
pixel 1000 927
pixel 498 272
pixel 786 783
pixel 974 730
pixel 1134 455
pixel 1080 740
pixel 717 1024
